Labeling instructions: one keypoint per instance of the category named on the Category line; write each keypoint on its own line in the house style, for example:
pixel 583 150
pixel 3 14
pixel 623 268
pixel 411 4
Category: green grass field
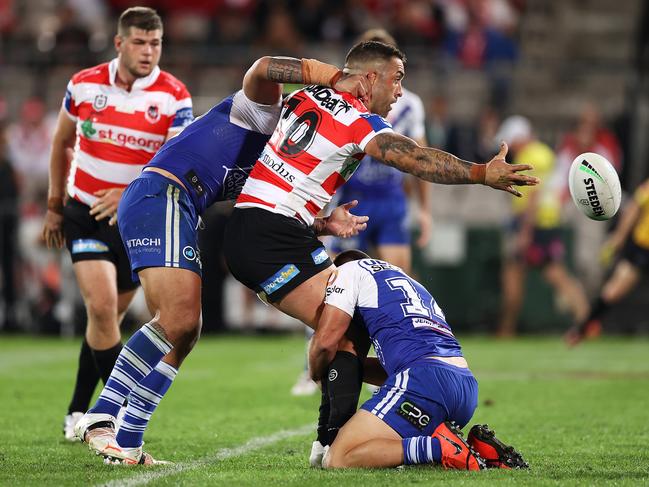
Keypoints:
pixel 579 417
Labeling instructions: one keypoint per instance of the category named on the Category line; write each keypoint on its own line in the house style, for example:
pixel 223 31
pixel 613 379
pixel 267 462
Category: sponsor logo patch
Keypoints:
pixel 142 242
pixel 333 375
pixel 414 414
pixel 281 277
pixel 87 245
pixel 183 117
pixel 334 290
pixel 189 253
pixel 319 256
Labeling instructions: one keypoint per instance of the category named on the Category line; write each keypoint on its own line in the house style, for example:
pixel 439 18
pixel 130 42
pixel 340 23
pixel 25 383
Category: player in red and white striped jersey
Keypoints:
pixel 116 116
pixel 319 141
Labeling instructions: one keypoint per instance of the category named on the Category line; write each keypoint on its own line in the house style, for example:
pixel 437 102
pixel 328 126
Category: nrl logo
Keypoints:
pixel 100 102
pixel 152 114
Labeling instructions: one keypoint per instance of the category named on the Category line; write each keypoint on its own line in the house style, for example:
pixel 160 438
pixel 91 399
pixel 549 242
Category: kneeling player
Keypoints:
pixel 429 393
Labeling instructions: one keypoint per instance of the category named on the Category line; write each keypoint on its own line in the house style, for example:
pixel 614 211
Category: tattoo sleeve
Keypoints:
pixel 285 70
pixel 427 163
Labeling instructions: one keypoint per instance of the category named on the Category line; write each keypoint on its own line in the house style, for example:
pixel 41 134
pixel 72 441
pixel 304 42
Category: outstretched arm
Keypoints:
pixel 262 82
pixel 437 166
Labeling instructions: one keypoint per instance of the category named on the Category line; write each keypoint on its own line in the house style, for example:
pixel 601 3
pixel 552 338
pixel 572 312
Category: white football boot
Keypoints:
pixel 317 454
pixel 69 423
pixel 132 456
pixel 98 431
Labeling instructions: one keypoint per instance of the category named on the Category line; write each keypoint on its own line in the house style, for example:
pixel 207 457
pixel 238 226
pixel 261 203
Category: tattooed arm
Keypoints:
pixel 437 166
pixel 262 82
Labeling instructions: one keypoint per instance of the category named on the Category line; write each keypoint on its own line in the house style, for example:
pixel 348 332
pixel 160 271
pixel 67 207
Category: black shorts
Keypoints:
pixel 89 239
pixel 271 254
pixel 638 256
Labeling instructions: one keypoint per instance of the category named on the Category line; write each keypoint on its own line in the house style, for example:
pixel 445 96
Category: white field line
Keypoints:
pixel 148 474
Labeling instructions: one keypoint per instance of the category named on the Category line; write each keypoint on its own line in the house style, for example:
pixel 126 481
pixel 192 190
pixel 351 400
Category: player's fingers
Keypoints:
pixel 100 192
pixel 350 204
pixel 521 180
pixel 503 150
pixel 521 167
pixel 512 190
pixel 113 220
pixel 105 213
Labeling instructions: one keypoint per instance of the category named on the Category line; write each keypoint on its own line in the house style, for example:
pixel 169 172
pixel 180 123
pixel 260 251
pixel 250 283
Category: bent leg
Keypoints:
pixel 365 441
pixel 568 287
pixel 625 277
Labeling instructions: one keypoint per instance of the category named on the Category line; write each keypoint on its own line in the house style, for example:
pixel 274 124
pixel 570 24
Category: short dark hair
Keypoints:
pixel 366 51
pixel 349 256
pixel 144 18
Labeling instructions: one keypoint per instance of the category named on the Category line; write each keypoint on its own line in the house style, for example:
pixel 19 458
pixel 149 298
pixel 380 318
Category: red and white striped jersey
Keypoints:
pixel 119 131
pixel 317 145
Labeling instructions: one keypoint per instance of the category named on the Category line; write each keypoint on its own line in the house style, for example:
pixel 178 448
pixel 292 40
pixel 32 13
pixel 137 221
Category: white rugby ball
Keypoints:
pixel 595 186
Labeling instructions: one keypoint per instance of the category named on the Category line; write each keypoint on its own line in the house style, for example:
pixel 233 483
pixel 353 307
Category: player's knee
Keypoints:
pixel 102 313
pixel 332 460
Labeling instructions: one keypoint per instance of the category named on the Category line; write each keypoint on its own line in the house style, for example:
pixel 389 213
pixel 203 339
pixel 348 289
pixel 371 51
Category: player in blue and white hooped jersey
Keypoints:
pixel 429 383
pixel 158 218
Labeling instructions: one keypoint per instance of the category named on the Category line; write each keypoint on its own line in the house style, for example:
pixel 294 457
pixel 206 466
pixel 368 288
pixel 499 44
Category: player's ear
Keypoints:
pixel 372 77
pixel 117 42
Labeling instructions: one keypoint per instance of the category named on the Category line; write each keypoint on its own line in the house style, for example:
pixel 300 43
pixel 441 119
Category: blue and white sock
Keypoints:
pixel 421 449
pixel 144 399
pixel 137 359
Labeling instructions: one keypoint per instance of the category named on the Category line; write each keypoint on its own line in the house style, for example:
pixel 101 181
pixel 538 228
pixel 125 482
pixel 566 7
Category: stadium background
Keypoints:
pixel 473 62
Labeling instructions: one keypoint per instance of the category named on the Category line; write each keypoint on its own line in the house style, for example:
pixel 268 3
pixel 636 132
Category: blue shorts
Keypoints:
pixel 415 401
pixel 158 224
pixel 387 224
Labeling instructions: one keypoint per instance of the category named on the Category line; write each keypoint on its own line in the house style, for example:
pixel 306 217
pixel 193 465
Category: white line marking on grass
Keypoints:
pixel 149 474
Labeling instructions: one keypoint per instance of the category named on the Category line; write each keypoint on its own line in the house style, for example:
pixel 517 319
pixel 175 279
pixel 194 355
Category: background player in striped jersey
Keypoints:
pixel 429 384
pixel 270 245
pixel 116 116
pixel 158 220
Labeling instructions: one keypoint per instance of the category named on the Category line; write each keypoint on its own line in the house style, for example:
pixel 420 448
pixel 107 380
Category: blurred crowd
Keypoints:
pixel 473 34
pixel 474 31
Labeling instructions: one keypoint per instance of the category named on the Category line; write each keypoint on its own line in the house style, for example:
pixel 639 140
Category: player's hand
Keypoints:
pixel 355 84
pixel 501 175
pixel 53 230
pixel 341 223
pixel 425 224
pixel 106 204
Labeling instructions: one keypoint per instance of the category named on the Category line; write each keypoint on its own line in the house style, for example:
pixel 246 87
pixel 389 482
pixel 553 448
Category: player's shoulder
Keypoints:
pixel 169 83
pixel 95 74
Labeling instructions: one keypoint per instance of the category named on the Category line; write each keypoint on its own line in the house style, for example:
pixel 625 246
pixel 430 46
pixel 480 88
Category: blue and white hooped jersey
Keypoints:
pixel 374 179
pixel 403 320
pixel 214 155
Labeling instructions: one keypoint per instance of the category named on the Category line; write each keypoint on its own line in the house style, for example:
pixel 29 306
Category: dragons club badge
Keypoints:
pixel 152 113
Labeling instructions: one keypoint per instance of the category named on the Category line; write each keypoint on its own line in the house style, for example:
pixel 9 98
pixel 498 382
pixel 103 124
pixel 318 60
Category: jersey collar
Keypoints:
pixel 138 84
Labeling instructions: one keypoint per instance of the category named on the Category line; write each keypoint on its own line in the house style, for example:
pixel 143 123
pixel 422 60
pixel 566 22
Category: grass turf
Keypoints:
pixel 578 416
